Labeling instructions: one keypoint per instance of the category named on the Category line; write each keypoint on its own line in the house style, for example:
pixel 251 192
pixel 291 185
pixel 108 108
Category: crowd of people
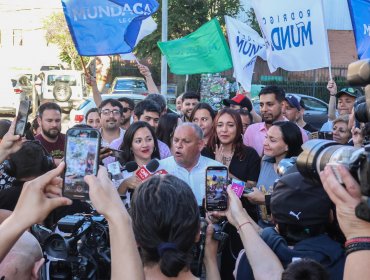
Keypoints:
pixel 282 227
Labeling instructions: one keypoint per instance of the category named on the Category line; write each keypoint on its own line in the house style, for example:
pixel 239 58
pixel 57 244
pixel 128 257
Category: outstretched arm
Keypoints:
pixel 38 198
pixel 91 81
pixel 256 249
pixel 144 70
pixel 332 88
pixel 125 259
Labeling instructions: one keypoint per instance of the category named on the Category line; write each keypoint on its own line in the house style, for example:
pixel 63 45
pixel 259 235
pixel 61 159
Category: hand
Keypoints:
pixel 10 143
pixel 104 153
pixel 39 197
pixel 219 153
pixel 256 197
pixel 332 87
pixel 346 199
pixel 211 246
pixel 357 136
pixel 144 70
pixel 103 194
pixel 132 182
pixel 90 80
pixel 235 213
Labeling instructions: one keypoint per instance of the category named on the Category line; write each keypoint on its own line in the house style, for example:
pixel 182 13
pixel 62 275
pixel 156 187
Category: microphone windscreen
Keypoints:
pixel 152 165
pixel 131 166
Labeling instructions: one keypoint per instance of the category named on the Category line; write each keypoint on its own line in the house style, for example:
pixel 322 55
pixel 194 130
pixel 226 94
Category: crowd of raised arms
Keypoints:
pixel 281 227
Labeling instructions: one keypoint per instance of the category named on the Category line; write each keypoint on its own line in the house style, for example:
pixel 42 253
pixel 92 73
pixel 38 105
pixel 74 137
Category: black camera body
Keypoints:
pixel 77 248
pixel 319 153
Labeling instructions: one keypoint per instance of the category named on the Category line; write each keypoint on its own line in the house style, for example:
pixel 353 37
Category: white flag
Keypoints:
pixel 245 45
pixel 295 34
pixel 147 27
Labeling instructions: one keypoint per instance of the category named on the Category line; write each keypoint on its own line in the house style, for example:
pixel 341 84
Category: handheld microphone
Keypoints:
pixel 148 170
pixel 130 166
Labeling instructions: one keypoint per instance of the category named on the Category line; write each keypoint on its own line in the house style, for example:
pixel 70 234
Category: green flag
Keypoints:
pixel 203 51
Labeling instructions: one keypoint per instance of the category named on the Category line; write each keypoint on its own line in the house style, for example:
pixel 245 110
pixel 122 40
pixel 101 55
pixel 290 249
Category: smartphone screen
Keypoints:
pixel 22 116
pixel 216 184
pixel 82 158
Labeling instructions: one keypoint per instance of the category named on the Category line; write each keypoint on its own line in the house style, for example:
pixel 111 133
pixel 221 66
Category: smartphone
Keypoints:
pixel 81 157
pixel 216 184
pixel 22 117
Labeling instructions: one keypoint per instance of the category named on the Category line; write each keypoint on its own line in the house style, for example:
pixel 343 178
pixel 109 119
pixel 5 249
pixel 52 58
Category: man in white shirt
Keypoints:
pixel 187 163
pixel 111 133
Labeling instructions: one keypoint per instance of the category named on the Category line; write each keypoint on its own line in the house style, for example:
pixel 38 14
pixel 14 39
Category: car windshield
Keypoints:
pixel 129 85
pixel 71 80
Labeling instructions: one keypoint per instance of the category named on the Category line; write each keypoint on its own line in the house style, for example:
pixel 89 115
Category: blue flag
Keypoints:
pixel 360 15
pixel 102 27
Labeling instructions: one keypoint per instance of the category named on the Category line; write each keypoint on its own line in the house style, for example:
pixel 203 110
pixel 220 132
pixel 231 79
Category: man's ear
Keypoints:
pixel 135 118
pixel 36 269
pixel 201 145
pixel 39 120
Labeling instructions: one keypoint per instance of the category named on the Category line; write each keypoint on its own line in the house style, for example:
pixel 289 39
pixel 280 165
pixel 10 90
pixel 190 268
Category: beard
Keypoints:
pixel 51 133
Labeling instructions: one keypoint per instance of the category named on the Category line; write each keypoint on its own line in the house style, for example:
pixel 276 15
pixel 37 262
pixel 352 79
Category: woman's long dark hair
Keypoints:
pixel 166 127
pixel 165 220
pixel 129 137
pixel 239 151
pixel 200 106
pixel 292 136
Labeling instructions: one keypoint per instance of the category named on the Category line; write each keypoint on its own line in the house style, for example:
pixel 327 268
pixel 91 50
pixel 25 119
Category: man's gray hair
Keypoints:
pixel 198 131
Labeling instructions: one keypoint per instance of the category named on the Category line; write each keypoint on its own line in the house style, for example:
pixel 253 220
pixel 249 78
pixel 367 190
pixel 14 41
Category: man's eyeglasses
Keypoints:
pixel 125 110
pixel 107 112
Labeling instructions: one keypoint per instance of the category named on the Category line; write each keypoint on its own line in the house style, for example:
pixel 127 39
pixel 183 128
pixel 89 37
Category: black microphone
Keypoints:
pixel 152 165
pixel 130 166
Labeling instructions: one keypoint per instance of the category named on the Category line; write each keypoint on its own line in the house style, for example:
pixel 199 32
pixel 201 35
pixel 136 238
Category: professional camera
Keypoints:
pixel 198 249
pixel 319 153
pixel 78 248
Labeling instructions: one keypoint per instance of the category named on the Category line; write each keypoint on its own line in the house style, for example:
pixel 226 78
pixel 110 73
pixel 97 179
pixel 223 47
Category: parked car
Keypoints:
pixel 316 112
pixel 136 85
pixel 66 87
pixel 9 98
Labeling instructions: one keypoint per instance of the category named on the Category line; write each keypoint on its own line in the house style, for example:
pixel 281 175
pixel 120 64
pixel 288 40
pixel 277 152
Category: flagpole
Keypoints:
pixel 164 39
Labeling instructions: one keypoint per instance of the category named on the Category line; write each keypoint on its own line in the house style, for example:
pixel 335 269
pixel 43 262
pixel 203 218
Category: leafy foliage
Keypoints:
pixel 57 33
pixel 184 17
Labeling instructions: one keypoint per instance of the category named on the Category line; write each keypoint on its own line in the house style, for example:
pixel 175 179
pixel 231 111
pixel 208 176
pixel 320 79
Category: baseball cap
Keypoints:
pixel 297 201
pixel 349 91
pixel 293 101
pixel 240 100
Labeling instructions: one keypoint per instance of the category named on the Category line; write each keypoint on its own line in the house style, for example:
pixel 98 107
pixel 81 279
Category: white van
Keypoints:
pixel 9 99
pixel 65 87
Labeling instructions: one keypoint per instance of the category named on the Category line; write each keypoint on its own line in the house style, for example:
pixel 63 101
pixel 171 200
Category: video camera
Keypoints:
pixel 319 153
pixel 77 248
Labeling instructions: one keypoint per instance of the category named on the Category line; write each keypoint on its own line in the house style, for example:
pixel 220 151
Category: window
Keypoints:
pixel 315 105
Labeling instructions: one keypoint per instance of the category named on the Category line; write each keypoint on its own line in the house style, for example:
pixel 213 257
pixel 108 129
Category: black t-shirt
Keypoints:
pixel 310 128
pixel 247 169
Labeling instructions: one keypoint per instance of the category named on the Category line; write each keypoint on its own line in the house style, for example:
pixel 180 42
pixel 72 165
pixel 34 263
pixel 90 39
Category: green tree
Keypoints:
pixel 252 20
pixel 184 17
pixel 57 33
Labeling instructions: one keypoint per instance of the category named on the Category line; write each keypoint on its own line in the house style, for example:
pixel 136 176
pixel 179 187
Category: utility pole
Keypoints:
pixel 164 39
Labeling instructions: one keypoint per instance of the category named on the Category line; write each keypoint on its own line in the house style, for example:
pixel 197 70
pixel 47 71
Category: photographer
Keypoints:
pixel 356 230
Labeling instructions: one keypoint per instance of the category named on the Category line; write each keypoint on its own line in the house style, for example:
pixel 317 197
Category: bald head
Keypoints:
pixel 196 129
pixel 24 260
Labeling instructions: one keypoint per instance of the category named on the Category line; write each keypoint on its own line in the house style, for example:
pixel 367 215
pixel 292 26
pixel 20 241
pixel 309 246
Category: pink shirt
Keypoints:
pixel 255 135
